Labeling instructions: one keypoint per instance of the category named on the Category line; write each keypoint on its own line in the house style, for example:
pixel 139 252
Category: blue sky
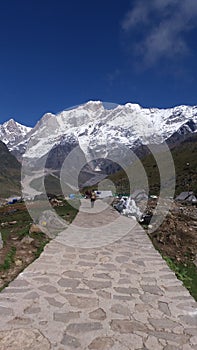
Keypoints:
pixel 57 53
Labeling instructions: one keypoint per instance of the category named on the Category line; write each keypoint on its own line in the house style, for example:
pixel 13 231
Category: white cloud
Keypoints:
pixel 162 25
pixel 138 14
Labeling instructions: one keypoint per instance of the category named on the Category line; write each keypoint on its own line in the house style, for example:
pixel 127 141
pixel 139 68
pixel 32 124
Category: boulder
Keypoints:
pixel 35 229
pixel 27 240
pixel 1 241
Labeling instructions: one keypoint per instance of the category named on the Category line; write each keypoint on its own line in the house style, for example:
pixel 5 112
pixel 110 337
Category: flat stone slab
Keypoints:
pixel 98 290
pixel 23 339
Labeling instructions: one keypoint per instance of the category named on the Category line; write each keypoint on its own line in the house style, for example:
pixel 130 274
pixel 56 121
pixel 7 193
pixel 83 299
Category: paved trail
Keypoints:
pixel 118 296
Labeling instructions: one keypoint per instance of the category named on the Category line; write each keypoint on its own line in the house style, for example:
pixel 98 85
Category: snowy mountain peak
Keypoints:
pixel 45 118
pixel 12 132
pixel 10 122
pixel 133 106
pixel 99 127
pixel 92 106
pixel 93 103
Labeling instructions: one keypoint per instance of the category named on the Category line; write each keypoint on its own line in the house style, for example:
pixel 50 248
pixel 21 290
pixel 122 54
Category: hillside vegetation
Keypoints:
pixel 10 173
pixel 184 155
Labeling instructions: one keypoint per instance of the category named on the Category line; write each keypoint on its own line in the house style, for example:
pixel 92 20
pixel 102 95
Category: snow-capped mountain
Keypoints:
pixel 98 129
pixel 11 133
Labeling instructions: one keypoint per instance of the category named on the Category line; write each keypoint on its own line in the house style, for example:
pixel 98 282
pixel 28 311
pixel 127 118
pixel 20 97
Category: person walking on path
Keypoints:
pixel 92 199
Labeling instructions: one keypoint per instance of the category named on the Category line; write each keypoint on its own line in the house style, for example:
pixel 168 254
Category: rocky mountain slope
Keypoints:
pixel 10 172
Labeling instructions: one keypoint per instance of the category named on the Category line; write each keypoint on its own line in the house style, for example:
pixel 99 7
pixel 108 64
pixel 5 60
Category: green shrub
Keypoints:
pixel 187 273
pixel 9 259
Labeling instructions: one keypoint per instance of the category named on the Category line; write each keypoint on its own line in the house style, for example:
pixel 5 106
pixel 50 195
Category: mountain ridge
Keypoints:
pixel 100 134
pixel 91 125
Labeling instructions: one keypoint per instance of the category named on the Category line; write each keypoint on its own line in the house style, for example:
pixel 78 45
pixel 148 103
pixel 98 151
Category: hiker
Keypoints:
pixel 92 198
pixel 87 194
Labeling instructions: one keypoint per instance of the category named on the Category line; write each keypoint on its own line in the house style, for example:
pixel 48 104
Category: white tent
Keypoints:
pixel 103 194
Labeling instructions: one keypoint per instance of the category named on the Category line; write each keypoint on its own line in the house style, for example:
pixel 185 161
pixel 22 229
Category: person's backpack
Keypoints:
pixel 93 196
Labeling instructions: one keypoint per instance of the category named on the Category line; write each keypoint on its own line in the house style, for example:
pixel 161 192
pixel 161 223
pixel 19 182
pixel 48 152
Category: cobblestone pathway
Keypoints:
pixel 118 296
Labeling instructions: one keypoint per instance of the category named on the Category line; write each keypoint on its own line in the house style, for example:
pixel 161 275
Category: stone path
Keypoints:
pixel 120 295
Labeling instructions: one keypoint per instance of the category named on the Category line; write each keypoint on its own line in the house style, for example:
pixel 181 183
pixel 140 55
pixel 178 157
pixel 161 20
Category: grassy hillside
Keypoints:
pixel 10 173
pixel 185 159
